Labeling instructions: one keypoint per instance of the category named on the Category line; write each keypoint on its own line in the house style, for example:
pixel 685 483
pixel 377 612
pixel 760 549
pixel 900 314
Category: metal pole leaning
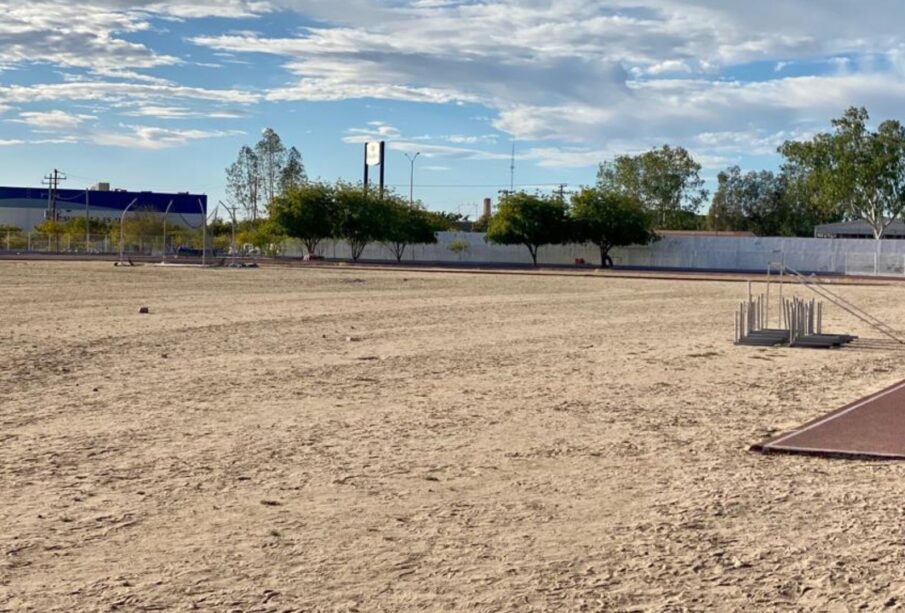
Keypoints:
pixel 122 231
pixel 824 292
pixel 203 234
pixel 165 213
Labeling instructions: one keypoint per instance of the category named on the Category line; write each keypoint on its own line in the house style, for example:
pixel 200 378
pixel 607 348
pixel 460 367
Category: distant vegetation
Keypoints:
pixel 851 173
pixel 318 211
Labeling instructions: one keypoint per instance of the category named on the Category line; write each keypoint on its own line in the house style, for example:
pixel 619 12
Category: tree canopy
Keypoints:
pixel 361 217
pixel 758 202
pixel 667 181
pixel 293 174
pixel 609 219
pixel 306 212
pixel 852 170
pixel 529 220
pixel 408 225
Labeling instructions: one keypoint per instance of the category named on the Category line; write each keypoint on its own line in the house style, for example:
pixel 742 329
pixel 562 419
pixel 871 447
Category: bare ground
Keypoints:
pixel 337 440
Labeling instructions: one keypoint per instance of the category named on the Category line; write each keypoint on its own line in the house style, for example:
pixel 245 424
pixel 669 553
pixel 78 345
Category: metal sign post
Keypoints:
pixel 375 155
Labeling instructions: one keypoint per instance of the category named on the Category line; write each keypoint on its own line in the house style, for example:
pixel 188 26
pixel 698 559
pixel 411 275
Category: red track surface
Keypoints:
pixel 873 427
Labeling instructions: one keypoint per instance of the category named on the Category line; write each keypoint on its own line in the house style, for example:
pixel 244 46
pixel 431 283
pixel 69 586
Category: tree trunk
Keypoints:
pixel 532 249
pixel 357 249
pixel 311 246
pixel 605 260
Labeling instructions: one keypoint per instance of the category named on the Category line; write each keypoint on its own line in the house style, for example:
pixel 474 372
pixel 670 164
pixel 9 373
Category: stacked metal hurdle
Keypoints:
pixel 804 320
pixel 802 325
pixel 751 324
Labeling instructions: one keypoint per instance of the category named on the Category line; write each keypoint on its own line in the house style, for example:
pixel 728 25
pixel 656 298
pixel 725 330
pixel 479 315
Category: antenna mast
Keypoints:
pixel 512 171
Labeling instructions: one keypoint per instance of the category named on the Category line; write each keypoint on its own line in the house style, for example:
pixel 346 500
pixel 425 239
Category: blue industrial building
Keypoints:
pixel 26 207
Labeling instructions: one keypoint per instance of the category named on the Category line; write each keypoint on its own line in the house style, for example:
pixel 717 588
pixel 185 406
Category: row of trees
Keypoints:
pixel 601 216
pixel 848 173
pixel 318 211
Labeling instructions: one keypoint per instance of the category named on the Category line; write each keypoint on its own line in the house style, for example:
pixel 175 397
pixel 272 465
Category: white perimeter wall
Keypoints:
pixel 703 253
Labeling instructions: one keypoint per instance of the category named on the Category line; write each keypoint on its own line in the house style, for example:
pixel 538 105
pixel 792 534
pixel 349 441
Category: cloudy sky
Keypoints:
pixel 161 94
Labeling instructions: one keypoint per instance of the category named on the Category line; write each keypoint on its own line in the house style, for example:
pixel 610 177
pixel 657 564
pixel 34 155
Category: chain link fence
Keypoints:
pixel 93 244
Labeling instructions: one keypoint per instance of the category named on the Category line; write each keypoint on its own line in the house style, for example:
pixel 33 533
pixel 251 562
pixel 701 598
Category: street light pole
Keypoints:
pixel 412 159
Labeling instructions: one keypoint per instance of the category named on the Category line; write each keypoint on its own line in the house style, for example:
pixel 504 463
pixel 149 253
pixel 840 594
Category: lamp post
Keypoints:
pixel 412 159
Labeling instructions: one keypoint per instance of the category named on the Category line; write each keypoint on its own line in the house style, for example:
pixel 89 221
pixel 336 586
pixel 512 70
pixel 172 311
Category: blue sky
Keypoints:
pixel 161 94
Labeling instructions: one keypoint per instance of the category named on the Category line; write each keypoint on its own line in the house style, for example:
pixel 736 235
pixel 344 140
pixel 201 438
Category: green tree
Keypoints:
pixel 267 237
pixel 529 220
pixel 243 179
pixel 271 153
pixel 306 212
pixel 727 210
pixel 141 229
pixel 852 171
pixel 54 230
pixel 482 223
pixel 459 247
pixel 361 217
pixel 667 181
pixel 443 221
pixel 76 226
pixel 609 219
pixel 293 175
pixel 407 225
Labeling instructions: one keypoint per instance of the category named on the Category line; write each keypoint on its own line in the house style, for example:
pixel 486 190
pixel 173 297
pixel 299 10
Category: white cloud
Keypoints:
pixel 224 9
pixel 584 75
pixel 109 91
pixel 586 72
pixel 150 137
pixel 52 120
pixel 180 112
pixel 82 35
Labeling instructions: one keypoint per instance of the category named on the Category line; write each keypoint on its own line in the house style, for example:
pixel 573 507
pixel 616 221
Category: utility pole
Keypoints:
pixel 53 182
pixel 383 166
pixel 562 191
pixel 512 171
pixel 367 170
pixel 412 159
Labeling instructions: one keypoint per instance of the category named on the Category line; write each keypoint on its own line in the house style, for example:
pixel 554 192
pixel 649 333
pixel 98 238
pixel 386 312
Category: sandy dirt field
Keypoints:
pixel 339 440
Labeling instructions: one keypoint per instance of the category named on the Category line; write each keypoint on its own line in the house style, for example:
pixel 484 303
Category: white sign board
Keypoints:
pixel 374 157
